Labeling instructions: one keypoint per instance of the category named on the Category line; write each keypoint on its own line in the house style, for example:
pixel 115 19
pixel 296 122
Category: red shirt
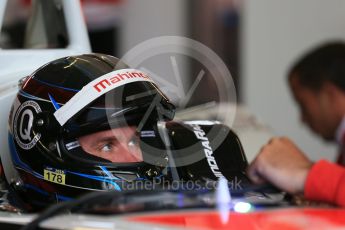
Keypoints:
pixel 326 182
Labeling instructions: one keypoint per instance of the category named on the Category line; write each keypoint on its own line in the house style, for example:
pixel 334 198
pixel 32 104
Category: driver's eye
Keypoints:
pixel 133 142
pixel 107 147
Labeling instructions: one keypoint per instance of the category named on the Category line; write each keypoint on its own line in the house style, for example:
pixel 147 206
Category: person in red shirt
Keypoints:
pixel 317 82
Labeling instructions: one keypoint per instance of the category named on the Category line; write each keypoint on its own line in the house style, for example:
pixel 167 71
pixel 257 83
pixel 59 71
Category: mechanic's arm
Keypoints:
pixel 281 163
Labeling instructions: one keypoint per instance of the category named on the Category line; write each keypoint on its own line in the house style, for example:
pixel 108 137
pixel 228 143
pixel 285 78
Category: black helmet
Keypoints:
pixel 74 97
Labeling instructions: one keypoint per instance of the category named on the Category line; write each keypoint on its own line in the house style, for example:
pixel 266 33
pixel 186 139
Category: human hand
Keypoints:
pixel 282 164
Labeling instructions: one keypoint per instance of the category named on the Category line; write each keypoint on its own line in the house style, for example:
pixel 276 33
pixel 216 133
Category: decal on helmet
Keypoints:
pixel 147 133
pixel 72 145
pixel 57 176
pixel 97 88
pixel 22 125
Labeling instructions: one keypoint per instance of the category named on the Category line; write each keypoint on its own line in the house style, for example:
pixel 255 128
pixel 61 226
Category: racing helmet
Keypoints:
pixel 73 97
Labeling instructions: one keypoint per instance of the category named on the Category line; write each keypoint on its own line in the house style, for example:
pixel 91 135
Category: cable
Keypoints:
pixel 76 206
pixel 67 206
pixel 87 203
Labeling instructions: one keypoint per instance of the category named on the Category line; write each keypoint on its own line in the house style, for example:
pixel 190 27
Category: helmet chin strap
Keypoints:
pixel 97 88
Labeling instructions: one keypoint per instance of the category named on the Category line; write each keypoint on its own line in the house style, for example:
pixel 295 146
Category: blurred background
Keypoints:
pixel 257 40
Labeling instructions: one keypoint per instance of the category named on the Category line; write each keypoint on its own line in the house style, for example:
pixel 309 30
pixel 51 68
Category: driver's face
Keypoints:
pixel 117 145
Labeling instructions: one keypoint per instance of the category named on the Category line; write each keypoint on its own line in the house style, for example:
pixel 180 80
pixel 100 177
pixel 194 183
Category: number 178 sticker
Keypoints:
pixel 54 175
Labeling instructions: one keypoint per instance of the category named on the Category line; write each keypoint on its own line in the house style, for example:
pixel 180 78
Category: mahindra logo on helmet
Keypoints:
pixel 101 85
pixel 97 88
pixel 104 83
